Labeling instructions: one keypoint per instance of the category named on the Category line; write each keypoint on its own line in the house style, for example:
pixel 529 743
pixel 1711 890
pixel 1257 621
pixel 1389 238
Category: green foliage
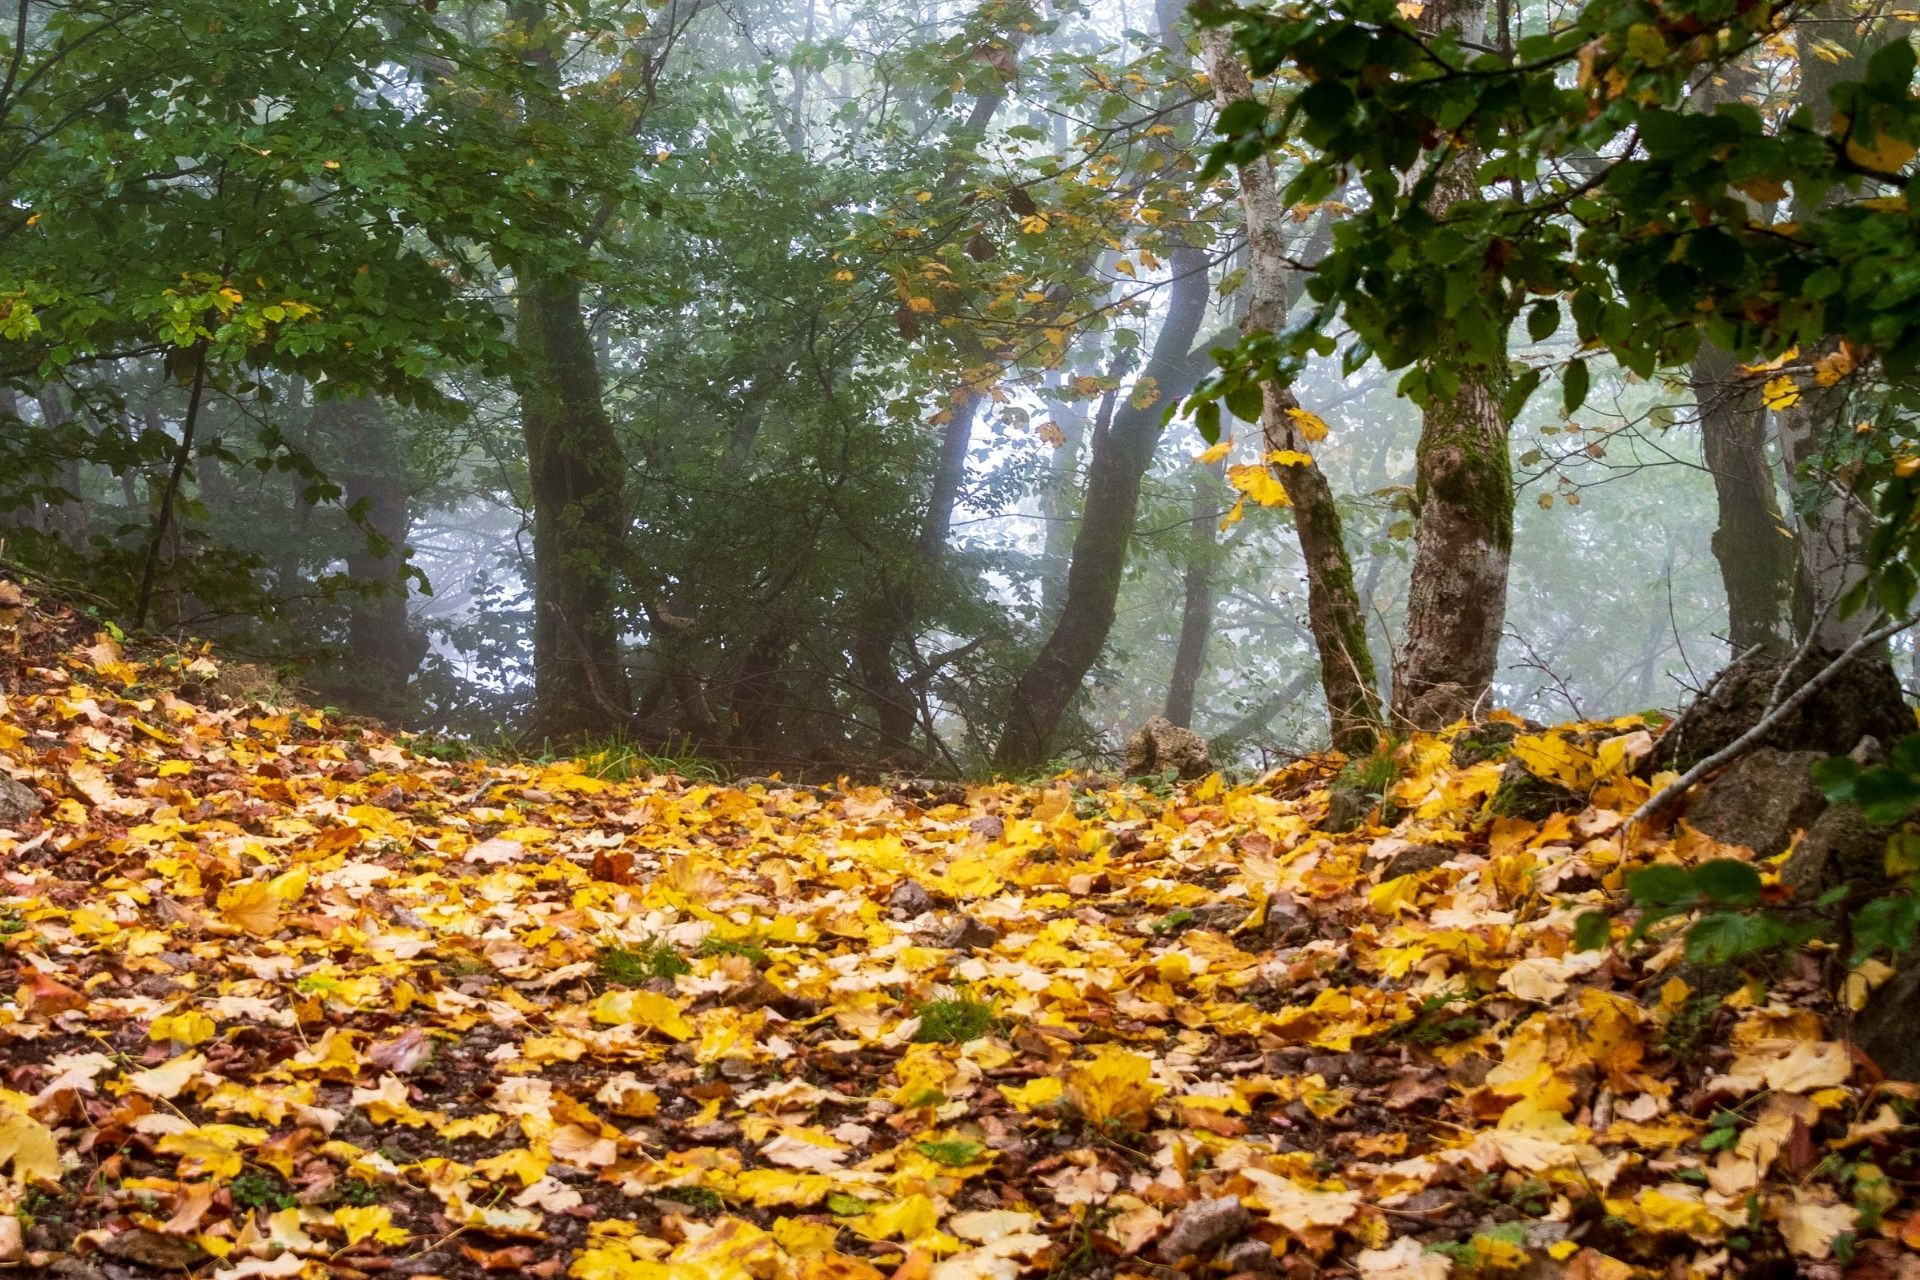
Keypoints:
pixel 1171 923
pixel 1434 1024
pixel 952 1020
pixel 1729 892
pixel 253 1189
pixel 1372 775
pixel 715 945
pixel 632 966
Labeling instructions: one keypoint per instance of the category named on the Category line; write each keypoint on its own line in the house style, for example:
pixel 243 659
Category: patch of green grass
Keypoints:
pixel 715 945
pixel 632 966
pixel 10 923
pixel 701 1199
pixel 952 1021
pixel 360 1194
pixel 1432 1025
pixel 257 1190
pixel 1371 775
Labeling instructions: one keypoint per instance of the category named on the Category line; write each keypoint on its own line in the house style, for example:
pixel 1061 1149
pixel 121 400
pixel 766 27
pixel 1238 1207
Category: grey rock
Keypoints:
pixel 1888 1029
pixel 1249 1255
pixel 18 801
pixel 1841 847
pixel 962 933
pixel 1760 801
pixel 1416 857
pixel 1347 808
pixel 911 897
pixel 1863 699
pixel 1161 745
pixel 1203 1227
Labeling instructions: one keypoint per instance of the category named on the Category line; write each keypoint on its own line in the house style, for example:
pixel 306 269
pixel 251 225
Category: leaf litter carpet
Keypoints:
pixel 293 1000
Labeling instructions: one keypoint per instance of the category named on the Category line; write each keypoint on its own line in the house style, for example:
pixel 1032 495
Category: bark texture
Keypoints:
pixel 1333 605
pixel 1754 547
pixel 1457 599
pixel 576 473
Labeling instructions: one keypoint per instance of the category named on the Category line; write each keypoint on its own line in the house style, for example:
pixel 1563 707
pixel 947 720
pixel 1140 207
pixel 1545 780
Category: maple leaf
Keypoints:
pixel 1114 1089
pixel 25 1144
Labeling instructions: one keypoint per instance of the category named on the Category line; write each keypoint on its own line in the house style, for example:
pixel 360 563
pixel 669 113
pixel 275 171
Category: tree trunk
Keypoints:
pixel 1755 550
pixel 1196 607
pixel 1116 466
pixel 576 474
pixel 1060 505
pixel 1333 606
pixel 386 648
pixel 1457 594
pixel 1457 597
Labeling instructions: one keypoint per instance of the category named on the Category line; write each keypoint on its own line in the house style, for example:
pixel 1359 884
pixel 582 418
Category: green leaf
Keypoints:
pixel 1728 881
pixel 1574 386
pixel 1206 420
pixel 1662 885
pixel 1592 931
pixel 1543 319
pixel 1241 117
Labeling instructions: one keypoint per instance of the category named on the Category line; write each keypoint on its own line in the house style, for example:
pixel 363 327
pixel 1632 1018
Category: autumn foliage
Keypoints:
pixel 290 997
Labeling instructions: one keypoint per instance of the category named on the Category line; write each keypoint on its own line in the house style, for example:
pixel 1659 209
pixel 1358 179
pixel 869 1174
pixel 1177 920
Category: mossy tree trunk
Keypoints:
pixel 1333 605
pixel 1463 483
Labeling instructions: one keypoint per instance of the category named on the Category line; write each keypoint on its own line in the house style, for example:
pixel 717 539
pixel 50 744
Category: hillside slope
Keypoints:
pixel 294 1000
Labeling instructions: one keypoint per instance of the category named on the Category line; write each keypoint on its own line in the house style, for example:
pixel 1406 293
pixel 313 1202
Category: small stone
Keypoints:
pixel 962 933
pixel 1161 746
pixel 151 1249
pixel 1249 1255
pixel 1347 808
pixel 1416 857
pixel 18 802
pixel 911 897
pixel 13 1243
pixel 1203 1227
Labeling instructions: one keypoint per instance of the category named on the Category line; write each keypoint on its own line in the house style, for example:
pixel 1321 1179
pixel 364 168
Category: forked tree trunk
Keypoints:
pixel 1333 605
pixel 1457 596
pixel 576 472
pixel 1751 542
pixel 1117 463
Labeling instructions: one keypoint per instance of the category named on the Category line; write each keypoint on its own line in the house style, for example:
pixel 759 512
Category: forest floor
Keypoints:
pixel 292 999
